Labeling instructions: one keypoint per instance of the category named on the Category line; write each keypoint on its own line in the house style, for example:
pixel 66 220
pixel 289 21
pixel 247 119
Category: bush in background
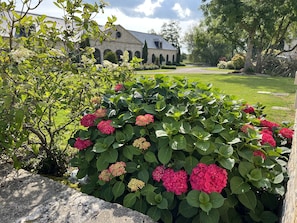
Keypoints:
pixel 238 61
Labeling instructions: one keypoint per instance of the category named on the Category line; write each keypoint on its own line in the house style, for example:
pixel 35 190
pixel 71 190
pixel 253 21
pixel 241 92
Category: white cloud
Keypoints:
pixel 140 24
pixel 147 7
pixel 182 13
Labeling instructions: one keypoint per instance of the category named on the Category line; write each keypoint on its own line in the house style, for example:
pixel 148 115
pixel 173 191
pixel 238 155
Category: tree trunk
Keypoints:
pixel 248 65
pixel 259 61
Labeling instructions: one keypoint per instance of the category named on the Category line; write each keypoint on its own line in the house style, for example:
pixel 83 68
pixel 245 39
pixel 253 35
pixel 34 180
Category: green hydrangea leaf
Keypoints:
pixel 248 199
pixel 129 200
pixel 164 154
pixel 118 189
pixel 187 210
pixel 213 216
pixel 216 199
pixel 238 186
pixel 193 198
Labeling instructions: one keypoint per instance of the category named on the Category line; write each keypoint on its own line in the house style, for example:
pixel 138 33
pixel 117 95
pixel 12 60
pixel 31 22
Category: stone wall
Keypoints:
pixel 289 214
pixel 26 197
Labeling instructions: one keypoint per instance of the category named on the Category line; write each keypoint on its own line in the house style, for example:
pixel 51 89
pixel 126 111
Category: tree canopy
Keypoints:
pixel 254 25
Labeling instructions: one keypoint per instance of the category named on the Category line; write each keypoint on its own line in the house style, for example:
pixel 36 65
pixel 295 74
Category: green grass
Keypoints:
pixel 246 87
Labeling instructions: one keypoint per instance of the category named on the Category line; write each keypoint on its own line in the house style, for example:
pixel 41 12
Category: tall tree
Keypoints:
pixel 144 52
pixel 170 32
pixel 206 46
pixel 262 25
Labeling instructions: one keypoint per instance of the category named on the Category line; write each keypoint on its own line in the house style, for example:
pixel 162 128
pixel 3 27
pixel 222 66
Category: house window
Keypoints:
pixel 25 32
pixel 158 44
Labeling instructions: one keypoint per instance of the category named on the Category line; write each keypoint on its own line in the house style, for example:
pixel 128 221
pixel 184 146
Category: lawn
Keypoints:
pixel 277 94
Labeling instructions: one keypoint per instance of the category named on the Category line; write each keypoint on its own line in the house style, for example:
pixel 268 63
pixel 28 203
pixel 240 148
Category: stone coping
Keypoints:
pixel 289 214
pixel 31 198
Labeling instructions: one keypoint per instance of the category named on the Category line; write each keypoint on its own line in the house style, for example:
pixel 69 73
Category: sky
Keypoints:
pixel 141 15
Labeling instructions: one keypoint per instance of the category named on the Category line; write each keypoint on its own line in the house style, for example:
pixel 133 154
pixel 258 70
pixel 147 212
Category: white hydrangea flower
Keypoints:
pixel 21 54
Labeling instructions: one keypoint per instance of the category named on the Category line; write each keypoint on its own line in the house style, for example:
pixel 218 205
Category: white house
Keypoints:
pixel 119 41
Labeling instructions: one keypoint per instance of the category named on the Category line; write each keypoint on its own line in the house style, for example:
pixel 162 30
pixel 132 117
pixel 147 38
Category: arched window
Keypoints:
pixel 167 58
pixel 161 59
pixel 173 59
pixel 137 54
pixel 130 54
pixel 119 53
pixel 153 58
pixel 106 51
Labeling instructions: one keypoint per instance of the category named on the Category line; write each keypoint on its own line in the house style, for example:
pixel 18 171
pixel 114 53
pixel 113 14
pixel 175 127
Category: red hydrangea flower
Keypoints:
pixel 249 109
pixel 88 120
pixel 119 87
pixel 158 173
pixel 208 178
pixel 245 128
pixel 266 131
pixel 82 144
pixel 266 138
pixel 105 127
pixel 287 133
pixel 143 120
pixel 268 124
pixel 259 153
pixel 175 182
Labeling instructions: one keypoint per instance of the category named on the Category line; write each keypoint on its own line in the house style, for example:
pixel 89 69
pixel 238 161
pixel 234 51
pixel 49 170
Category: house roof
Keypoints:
pixel 151 39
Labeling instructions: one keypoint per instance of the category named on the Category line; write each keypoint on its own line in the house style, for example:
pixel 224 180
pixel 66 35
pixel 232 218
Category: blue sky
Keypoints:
pixel 141 15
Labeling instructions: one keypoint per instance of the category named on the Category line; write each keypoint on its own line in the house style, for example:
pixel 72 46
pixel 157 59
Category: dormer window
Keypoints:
pixel 158 44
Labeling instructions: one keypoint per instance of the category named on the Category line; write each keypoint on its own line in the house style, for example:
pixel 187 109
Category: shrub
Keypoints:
pixel 277 66
pixel 230 65
pixel 111 57
pixel 222 65
pixel 238 61
pixel 172 149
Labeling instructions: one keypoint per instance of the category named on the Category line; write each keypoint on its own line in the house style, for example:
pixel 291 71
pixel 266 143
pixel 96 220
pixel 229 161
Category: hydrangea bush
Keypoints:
pixel 180 151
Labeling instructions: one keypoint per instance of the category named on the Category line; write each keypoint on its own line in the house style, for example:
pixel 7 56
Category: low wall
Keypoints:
pixel 26 197
pixel 289 214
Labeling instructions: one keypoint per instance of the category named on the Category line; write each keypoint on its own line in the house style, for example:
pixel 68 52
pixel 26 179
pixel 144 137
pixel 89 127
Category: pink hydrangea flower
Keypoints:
pixel 100 113
pixel 105 127
pixel 88 120
pixel 82 144
pixel 266 131
pixel 158 173
pixel 268 124
pixel 266 138
pixel 245 128
pixel 105 175
pixel 259 153
pixel 175 182
pixel 286 133
pixel 119 87
pixel 117 169
pixel 208 178
pixel 143 120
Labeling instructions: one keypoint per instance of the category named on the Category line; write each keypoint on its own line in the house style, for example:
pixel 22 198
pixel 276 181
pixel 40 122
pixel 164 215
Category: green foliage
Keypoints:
pixel 178 125
pixel 111 57
pixel 252 26
pixel 43 91
pixel 206 46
